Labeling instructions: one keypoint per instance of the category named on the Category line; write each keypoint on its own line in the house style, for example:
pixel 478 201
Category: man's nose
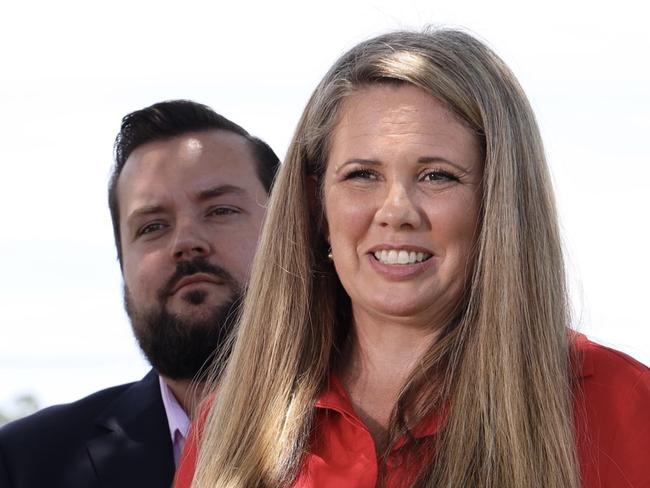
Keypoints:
pixel 398 209
pixel 189 241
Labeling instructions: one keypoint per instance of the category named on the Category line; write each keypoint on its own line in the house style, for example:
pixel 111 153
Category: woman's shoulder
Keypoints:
pixel 612 393
pixel 609 367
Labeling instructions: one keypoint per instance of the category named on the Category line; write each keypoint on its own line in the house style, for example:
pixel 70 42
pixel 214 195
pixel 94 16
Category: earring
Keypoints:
pixel 329 254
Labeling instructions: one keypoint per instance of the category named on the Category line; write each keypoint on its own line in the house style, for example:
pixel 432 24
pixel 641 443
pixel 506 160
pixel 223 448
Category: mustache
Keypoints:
pixel 193 266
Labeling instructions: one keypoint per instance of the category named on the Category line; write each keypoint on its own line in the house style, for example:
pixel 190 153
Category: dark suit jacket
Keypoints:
pixel 118 437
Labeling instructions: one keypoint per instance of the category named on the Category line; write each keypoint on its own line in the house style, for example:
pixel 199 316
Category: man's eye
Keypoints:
pixel 149 228
pixel 438 175
pixel 219 211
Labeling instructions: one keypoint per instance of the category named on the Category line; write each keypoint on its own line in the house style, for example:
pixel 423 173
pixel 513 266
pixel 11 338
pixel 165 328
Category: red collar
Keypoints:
pixel 335 397
pixel 583 363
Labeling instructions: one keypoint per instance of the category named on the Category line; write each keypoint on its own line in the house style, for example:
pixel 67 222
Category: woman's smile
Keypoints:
pixel 393 270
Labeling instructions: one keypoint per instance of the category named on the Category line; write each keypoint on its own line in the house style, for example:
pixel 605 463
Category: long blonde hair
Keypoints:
pixel 502 364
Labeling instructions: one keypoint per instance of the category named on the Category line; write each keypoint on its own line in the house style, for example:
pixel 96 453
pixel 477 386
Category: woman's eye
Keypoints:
pixel 363 174
pixel 438 175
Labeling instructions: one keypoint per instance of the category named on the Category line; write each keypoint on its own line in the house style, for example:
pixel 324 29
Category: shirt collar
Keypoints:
pixel 335 397
pixel 581 362
pixel 177 418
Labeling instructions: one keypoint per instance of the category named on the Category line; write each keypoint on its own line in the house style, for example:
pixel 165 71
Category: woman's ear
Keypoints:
pixel 316 206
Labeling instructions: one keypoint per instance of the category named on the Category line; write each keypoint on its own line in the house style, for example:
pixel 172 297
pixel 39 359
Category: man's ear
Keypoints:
pixel 316 206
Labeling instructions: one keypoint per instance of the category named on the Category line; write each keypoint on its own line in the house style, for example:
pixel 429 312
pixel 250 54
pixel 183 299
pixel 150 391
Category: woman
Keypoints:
pixel 406 322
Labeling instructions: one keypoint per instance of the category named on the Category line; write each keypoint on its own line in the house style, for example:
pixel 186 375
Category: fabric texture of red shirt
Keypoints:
pixel 612 419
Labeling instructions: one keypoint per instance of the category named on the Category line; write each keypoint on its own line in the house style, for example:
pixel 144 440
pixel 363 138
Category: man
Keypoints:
pixel 187 199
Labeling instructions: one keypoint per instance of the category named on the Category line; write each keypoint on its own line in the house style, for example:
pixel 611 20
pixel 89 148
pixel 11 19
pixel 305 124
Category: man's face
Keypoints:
pixel 191 209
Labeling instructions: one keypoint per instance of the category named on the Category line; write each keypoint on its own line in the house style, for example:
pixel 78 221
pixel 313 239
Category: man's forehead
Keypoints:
pixel 216 148
pixel 182 147
pixel 193 163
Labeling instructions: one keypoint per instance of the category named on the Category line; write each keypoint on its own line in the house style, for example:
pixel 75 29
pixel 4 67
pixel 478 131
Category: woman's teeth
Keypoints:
pixel 400 257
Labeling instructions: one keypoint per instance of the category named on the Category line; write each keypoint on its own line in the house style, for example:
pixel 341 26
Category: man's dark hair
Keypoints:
pixel 173 118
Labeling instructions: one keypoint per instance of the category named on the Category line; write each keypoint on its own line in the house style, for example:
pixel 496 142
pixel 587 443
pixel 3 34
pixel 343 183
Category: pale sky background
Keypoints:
pixel 71 70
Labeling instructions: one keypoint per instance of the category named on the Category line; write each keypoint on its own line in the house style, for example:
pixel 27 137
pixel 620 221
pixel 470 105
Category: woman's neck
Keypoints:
pixel 379 357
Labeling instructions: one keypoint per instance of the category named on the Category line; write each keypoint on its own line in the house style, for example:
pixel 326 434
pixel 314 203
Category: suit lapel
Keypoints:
pixel 132 447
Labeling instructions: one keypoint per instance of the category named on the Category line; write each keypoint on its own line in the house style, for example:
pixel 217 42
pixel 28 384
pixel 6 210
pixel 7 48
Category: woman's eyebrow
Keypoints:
pixel 440 159
pixel 371 162
pixel 421 160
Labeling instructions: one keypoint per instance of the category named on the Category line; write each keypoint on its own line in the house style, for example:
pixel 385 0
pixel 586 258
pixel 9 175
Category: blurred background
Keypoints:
pixel 71 70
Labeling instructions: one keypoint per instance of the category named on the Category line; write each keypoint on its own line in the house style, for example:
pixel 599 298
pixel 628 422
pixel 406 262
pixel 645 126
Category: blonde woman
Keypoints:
pixel 406 322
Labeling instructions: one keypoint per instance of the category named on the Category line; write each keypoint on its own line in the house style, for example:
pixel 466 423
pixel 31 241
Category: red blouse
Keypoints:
pixel 612 418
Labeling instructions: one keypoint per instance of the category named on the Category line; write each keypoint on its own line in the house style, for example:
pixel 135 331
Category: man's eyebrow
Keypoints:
pixel 146 210
pixel 220 190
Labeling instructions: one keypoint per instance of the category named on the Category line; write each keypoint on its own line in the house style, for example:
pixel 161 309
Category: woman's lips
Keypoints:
pixel 401 271
pixel 401 256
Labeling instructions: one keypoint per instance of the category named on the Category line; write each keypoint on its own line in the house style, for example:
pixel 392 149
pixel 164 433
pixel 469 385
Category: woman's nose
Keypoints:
pixel 398 209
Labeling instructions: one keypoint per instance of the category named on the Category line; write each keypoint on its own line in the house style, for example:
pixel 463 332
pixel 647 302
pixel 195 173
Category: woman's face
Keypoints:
pixel 401 196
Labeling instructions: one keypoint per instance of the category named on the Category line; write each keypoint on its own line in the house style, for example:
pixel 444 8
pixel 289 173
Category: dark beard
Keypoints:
pixel 177 347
